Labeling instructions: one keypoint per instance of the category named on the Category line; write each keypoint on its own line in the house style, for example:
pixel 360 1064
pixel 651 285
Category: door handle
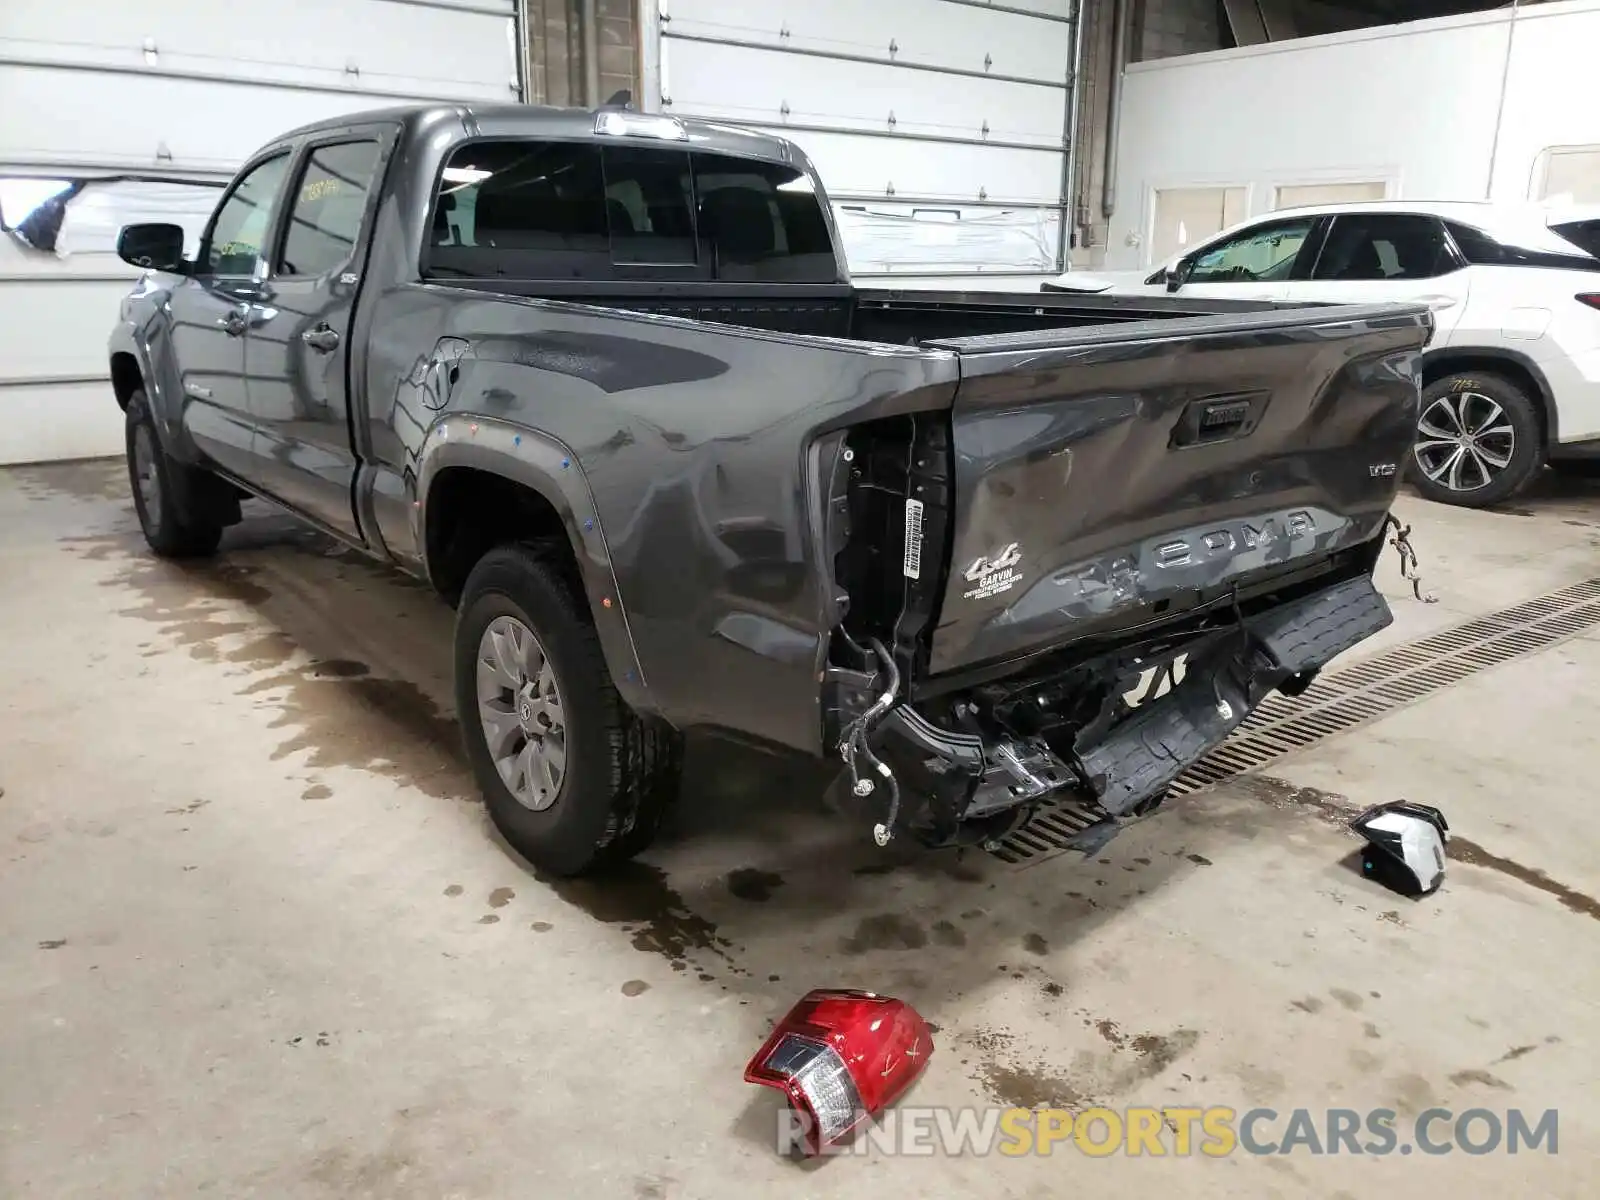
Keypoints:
pixel 324 339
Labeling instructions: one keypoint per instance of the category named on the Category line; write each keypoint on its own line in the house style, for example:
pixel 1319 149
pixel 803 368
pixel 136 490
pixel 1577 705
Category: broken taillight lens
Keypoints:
pixel 841 1057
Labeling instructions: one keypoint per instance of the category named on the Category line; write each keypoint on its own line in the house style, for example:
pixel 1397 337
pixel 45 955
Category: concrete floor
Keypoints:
pixel 256 938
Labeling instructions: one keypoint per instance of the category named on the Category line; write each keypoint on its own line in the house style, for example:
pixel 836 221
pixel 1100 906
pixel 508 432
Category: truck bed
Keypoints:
pixel 898 317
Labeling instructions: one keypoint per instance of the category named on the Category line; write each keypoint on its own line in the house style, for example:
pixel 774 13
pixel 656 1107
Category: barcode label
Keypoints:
pixel 913 564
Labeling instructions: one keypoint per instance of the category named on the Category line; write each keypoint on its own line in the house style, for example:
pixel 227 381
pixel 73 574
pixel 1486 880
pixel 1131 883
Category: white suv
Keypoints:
pixel 1511 379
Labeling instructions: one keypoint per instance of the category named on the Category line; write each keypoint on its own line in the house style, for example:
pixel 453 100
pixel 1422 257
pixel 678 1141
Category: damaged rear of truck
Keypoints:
pixel 604 381
pixel 1113 545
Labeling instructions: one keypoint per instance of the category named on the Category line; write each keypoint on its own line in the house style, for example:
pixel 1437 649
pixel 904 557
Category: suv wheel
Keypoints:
pixel 171 527
pixel 572 778
pixel 1479 440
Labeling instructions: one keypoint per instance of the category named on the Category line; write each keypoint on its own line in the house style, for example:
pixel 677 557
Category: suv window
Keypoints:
pixel 1262 252
pixel 329 204
pixel 1483 249
pixel 762 222
pixel 1368 246
pixel 530 210
pixel 1585 235
pixel 243 221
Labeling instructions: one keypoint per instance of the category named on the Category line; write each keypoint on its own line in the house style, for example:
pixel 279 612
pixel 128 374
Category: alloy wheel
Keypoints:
pixel 519 706
pixel 1464 440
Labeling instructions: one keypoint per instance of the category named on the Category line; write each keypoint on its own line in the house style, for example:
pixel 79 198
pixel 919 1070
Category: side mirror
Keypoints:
pixel 1179 275
pixel 154 247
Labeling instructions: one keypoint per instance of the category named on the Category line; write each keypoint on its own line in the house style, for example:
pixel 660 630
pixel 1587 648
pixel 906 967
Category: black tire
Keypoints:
pixel 1471 475
pixel 163 490
pixel 621 771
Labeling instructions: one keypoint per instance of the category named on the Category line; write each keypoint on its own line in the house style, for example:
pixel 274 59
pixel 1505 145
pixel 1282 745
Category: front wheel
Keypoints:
pixel 572 777
pixel 171 526
pixel 1479 440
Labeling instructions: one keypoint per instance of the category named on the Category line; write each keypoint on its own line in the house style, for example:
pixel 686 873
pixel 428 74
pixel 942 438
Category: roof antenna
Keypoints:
pixel 622 99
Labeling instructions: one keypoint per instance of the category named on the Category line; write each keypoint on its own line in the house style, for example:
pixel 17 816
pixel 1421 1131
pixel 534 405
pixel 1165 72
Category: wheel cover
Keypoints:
pixel 145 477
pixel 1464 441
pixel 519 706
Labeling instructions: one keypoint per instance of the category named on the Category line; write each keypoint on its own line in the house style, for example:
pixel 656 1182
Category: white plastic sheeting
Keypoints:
pixel 885 239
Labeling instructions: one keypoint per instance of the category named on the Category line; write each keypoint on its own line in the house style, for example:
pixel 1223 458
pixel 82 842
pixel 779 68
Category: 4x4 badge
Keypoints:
pixel 1009 557
pixel 993 575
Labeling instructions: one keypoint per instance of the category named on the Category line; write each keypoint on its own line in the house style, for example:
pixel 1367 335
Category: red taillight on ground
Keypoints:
pixel 842 1057
pixel 1592 299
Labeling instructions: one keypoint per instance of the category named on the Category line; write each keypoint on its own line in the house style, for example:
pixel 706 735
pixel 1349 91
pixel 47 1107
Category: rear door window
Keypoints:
pixel 1384 246
pixel 329 204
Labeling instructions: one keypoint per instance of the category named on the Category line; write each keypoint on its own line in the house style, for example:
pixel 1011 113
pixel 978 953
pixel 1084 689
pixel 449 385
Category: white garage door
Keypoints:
pixel 937 125
pixel 95 91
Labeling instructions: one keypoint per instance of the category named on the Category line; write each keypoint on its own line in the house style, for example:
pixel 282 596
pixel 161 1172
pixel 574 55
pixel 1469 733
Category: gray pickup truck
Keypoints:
pixel 603 380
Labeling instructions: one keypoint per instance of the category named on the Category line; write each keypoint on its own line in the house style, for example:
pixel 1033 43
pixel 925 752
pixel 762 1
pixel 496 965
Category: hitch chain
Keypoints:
pixel 1401 541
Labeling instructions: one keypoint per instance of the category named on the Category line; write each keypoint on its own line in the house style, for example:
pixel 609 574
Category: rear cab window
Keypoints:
pixel 531 210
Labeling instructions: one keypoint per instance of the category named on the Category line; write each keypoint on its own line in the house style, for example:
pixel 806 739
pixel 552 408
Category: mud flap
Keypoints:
pixel 1149 750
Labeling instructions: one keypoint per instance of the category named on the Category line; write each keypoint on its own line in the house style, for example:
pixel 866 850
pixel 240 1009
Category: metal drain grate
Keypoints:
pixel 1343 700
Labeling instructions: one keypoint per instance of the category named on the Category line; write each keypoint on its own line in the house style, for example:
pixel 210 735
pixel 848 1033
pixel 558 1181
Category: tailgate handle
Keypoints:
pixel 1218 419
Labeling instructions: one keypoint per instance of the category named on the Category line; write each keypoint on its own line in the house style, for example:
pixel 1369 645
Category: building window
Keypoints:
pixel 1302 194
pixel 1570 173
pixel 1186 217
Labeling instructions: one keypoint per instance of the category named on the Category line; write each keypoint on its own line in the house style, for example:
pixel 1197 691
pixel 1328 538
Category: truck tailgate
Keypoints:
pixel 1113 476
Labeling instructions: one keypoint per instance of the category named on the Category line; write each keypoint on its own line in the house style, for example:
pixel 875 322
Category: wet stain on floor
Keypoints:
pixel 638 898
pixel 884 931
pixel 1281 794
pixel 1479 1076
pixel 747 883
pixel 332 712
pixel 90 479
pixel 1095 1078
pixel 501 896
pixel 635 987
pixel 1463 851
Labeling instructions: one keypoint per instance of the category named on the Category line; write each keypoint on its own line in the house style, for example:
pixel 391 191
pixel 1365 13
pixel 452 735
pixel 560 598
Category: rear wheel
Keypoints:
pixel 572 777
pixel 171 526
pixel 1479 440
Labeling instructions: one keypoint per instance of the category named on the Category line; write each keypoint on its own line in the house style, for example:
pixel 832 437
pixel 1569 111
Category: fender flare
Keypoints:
pixel 163 389
pixel 546 466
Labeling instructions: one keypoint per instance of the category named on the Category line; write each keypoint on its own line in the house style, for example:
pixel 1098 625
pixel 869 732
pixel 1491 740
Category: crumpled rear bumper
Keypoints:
pixel 1133 762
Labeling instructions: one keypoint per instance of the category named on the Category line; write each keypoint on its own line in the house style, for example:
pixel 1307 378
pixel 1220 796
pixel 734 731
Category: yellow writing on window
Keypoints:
pixel 317 189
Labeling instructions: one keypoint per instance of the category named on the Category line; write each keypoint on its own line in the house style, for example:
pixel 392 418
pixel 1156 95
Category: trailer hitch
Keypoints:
pixel 1400 539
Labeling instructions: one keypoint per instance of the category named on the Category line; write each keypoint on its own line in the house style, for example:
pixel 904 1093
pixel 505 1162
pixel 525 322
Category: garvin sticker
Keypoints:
pixel 993 575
